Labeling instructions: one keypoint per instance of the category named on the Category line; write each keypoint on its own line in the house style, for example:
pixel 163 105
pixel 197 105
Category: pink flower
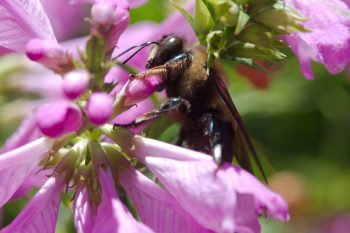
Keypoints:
pixel 212 196
pixel 329 40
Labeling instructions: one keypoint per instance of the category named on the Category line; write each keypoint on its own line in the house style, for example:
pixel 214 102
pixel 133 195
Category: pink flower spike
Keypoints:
pixel 112 216
pixel 157 208
pixel 99 108
pixel 58 118
pixel 16 164
pixel 329 40
pixel 40 215
pixel 22 20
pixel 83 212
pixel 138 90
pixel 75 83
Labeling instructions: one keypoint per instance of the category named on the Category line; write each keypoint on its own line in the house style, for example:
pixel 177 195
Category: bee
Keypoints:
pixel 199 100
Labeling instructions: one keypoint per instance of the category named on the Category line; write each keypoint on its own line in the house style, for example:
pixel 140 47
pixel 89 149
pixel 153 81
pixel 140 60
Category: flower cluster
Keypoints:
pixel 71 137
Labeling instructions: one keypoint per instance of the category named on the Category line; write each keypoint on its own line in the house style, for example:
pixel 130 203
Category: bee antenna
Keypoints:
pixel 141 46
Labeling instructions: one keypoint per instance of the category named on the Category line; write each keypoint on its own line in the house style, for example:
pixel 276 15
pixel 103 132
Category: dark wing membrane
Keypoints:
pixel 245 141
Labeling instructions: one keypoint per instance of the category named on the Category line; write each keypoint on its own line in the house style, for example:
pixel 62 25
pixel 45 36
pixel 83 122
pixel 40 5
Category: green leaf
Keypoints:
pixel 189 19
pixel 203 21
pixel 251 63
pixel 243 19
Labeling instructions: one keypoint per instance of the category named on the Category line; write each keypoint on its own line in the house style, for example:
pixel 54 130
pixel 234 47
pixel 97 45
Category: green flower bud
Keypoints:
pixel 226 11
pixel 213 40
pixel 257 34
pixel 280 18
pixel 248 50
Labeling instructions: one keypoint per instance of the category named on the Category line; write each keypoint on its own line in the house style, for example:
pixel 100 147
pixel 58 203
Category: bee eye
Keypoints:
pixel 173 44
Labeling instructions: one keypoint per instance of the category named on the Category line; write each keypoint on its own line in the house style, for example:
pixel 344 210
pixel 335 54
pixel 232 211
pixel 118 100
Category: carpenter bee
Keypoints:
pixel 199 100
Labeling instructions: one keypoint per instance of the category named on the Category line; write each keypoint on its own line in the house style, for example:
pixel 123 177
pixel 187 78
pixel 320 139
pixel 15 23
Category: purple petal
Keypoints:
pixel 25 133
pixel 35 179
pixel 155 206
pixel 146 147
pixel 201 189
pixel 99 107
pixel 15 165
pixel 112 215
pixel 21 20
pixel 67 26
pixel 329 41
pixel 59 117
pixel 40 215
pixel 83 216
pixel 266 200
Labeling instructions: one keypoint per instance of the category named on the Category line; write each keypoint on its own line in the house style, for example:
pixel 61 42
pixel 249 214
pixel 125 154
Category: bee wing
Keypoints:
pixel 243 144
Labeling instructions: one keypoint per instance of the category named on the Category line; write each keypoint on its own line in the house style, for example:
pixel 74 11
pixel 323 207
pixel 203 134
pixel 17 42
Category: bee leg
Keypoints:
pixel 220 134
pixel 169 105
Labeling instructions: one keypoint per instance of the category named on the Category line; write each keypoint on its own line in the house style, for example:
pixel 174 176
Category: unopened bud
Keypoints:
pixel 48 53
pixel 99 108
pixel 58 118
pixel 103 14
pixel 75 83
pixel 138 90
pixel 226 11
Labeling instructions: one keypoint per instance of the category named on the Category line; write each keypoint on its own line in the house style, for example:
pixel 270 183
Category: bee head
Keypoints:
pixel 168 47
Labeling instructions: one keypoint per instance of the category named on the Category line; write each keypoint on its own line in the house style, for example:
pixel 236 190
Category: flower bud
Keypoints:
pixel 75 83
pixel 48 53
pixel 137 90
pixel 226 11
pixel 58 118
pixel 103 14
pixel 99 108
pixel 110 18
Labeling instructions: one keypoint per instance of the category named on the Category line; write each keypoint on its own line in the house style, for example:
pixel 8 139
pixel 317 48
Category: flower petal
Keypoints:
pixel 83 217
pixel 40 215
pixel 200 188
pixel 112 215
pixel 144 147
pixel 15 165
pixel 329 41
pixel 266 200
pixel 21 20
pixel 25 133
pixel 155 206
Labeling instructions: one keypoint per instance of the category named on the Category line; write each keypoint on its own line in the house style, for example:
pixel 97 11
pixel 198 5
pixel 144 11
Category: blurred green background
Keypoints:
pixel 301 129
